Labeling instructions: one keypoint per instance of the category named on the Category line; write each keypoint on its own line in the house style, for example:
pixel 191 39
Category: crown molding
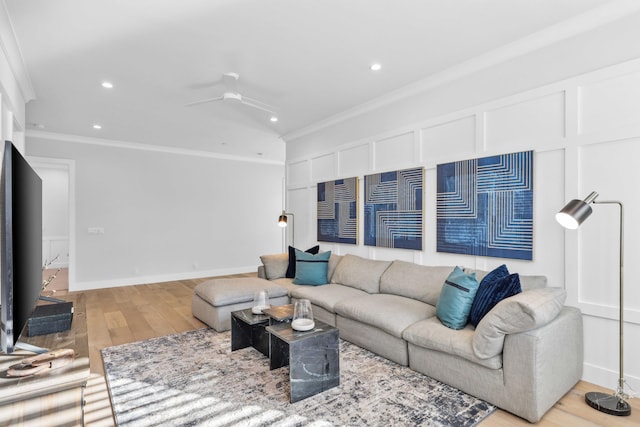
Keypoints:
pixel 77 139
pixel 587 21
pixel 11 50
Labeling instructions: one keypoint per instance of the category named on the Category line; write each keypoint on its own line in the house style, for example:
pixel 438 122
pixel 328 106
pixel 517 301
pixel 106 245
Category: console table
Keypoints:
pixel 72 376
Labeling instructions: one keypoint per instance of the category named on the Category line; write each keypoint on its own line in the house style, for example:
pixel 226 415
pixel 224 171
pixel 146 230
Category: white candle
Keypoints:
pixel 303 324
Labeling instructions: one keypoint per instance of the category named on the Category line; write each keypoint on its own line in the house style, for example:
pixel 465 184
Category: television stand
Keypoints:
pixel 50 299
pixel 30 348
pixel 74 375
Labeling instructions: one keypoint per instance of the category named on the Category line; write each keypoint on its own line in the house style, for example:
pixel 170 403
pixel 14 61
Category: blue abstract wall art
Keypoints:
pixel 393 209
pixel 485 206
pixel 338 211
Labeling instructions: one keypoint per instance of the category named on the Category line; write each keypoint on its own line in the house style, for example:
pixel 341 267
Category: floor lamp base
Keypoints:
pixel 608 403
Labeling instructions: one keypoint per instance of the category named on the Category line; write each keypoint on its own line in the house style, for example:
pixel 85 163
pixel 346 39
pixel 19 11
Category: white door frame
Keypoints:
pixel 70 166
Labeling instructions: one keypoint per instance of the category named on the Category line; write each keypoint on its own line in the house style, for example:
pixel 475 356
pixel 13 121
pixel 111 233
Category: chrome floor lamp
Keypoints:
pixel 571 216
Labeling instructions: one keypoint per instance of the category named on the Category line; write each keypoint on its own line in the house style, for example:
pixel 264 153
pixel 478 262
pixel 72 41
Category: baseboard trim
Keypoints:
pixel 140 280
pixel 607 378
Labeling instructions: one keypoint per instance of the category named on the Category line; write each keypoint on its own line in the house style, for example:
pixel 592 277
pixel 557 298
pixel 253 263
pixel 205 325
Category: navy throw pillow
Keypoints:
pixel 291 269
pixel 492 292
pixel 484 291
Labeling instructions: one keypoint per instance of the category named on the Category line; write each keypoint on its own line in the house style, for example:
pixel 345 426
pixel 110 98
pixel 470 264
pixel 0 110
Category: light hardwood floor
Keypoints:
pixel 132 313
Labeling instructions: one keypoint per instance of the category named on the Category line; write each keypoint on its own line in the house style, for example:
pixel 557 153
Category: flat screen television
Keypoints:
pixel 21 229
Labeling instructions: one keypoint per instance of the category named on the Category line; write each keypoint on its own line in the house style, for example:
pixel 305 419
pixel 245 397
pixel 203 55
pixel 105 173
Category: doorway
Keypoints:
pixel 58 223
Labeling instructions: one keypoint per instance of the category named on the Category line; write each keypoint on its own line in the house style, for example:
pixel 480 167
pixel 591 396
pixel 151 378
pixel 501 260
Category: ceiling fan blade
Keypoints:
pixel 258 104
pixel 203 101
pixel 230 82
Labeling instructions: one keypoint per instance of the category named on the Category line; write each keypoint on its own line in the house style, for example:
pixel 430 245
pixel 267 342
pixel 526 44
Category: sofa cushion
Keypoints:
pixel 390 313
pixel 275 266
pixel 360 273
pixel 432 334
pixel 311 269
pixel 526 281
pixel 494 292
pixel 520 313
pixel 410 280
pixel 291 268
pixel 226 291
pixel 334 260
pixel 326 296
pixel 286 283
pixel 454 304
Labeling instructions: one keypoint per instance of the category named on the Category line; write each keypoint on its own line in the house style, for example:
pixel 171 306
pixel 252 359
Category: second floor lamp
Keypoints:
pixel 282 222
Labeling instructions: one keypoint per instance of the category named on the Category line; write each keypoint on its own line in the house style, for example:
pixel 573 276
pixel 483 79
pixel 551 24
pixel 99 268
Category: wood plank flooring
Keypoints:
pixel 131 313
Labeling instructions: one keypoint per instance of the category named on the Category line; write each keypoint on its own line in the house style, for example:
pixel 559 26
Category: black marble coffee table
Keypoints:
pixel 313 357
pixel 247 330
pixel 279 313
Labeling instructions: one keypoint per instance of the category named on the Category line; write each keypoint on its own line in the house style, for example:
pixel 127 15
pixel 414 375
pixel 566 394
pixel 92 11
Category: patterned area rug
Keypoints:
pixel 193 379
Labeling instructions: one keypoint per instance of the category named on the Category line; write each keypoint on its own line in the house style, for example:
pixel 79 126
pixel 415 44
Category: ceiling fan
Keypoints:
pixel 231 94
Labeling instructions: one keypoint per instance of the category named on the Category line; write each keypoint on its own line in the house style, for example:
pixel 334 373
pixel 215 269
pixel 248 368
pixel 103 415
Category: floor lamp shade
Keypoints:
pixel 282 222
pixel 575 212
pixel 571 216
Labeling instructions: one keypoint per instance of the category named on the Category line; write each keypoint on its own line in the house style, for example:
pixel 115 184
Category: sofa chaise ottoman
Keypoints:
pixel 214 300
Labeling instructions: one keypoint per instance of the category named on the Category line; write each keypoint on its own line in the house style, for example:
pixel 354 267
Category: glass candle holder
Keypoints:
pixel 302 316
pixel 260 302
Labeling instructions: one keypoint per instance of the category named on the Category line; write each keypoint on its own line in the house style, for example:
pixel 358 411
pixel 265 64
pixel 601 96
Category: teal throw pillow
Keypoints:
pixel 311 269
pixel 291 269
pixel 455 299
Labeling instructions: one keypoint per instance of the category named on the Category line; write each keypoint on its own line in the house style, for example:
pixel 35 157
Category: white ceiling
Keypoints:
pixel 309 58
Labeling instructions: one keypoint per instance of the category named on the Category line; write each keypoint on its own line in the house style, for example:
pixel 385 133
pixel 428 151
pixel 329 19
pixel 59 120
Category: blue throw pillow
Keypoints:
pixel 485 289
pixel 291 269
pixel 311 269
pixel 456 298
pixel 492 290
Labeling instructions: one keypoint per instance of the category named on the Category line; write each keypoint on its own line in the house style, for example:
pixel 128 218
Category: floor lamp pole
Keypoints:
pixel 615 404
pixel 293 231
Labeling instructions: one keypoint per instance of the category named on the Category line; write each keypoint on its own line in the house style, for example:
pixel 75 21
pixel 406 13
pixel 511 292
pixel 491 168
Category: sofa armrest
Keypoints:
pixel 543 364
pixel 522 312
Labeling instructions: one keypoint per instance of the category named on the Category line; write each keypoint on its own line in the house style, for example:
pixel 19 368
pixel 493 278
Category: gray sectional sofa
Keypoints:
pixel 523 356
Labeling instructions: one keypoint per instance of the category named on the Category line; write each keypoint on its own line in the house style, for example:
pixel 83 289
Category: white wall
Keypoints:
pixel 15 86
pixel 585 132
pixel 165 215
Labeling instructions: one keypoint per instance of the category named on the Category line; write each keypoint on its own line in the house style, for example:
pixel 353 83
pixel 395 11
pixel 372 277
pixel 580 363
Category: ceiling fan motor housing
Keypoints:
pixel 227 96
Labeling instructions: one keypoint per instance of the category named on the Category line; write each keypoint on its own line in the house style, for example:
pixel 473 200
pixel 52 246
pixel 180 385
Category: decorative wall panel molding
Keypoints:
pixel 338 211
pixel 609 104
pixel 485 206
pixel 393 209
pixel 323 167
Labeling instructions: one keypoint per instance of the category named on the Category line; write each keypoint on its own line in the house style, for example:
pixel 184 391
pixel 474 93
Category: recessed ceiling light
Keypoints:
pixel 97 127
pixel 273 119
pixel 375 67
pixel 107 85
